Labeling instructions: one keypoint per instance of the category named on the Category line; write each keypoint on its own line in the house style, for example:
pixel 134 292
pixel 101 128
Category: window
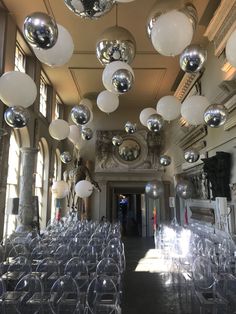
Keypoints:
pixel 57 108
pixel 19 59
pixel 56 177
pixel 40 178
pixel 12 184
pixel 43 96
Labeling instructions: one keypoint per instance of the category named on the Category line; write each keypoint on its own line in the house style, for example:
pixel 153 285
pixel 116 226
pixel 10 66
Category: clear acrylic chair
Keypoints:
pixel 50 267
pixel 91 257
pixel 18 250
pixel 31 289
pixel 20 264
pixel 78 269
pixel 64 295
pixel 108 267
pixel 102 296
pixel 2 294
pixel 205 282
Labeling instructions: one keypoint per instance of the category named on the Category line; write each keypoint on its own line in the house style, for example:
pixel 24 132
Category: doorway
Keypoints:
pixel 130 214
pixel 127 203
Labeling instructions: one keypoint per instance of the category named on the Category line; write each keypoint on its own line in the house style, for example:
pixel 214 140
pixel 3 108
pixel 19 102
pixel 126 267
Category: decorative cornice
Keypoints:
pixel 222 25
pixel 186 85
pixel 193 137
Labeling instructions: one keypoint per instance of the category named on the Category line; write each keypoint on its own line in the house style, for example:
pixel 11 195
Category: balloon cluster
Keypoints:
pixel 51 42
pixel 18 91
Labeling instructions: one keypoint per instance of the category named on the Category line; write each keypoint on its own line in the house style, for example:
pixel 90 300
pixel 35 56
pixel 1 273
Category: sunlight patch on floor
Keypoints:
pixel 154 262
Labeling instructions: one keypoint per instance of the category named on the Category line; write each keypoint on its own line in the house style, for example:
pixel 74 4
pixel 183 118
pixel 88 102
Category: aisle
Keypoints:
pixel 147 292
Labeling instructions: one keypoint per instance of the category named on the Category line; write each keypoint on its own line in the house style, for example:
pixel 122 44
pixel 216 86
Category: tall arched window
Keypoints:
pixel 40 178
pixel 56 177
pixel 12 183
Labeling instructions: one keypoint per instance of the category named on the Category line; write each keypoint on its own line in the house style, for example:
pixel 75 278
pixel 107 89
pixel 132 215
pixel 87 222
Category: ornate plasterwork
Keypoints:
pixel 186 85
pixel 108 159
pixel 221 25
pixel 193 137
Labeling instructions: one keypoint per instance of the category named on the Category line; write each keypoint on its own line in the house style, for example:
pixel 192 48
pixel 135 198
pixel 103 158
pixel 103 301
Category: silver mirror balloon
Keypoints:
pixel 86 134
pixel 191 155
pixel 122 81
pixel 115 44
pixel 130 127
pixel 17 117
pixel 40 30
pixel 80 115
pixel 193 58
pixel 184 189
pixel 165 160
pixel 117 140
pixel 215 116
pixel 66 157
pixel 91 9
pixel 154 189
pixel 155 122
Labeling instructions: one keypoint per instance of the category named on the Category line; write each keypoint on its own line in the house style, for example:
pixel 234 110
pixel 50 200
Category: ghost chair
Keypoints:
pixel 78 269
pixel 102 296
pixel 64 296
pixel 31 289
pixel 206 287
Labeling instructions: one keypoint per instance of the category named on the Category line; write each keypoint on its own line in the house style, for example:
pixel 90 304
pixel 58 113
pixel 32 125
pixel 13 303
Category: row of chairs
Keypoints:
pixel 57 275
pixel 202 261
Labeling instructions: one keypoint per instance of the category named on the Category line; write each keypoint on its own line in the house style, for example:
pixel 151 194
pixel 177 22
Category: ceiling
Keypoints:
pixel 155 75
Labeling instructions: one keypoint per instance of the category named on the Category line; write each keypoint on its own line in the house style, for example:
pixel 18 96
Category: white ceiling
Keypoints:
pixel 155 75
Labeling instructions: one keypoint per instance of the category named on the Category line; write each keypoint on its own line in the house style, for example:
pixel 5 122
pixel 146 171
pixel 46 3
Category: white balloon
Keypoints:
pixel 230 49
pixel 17 89
pixel 60 189
pixel 193 108
pixel 107 101
pixel 169 107
pixel 145 114
pixel 110 69
pixel 60 53
pixel 74 135
pixel 59 129
pixel 171 33
pixel 83 188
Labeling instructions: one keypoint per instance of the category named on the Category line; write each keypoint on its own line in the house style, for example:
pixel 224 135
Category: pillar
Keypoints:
pixel 26 206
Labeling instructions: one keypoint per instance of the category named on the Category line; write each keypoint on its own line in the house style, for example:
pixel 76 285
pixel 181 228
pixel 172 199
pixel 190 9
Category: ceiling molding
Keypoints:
pixel 49 8
pixel 76 83
pixel 193 137
pixel 222 25
pixel 186 85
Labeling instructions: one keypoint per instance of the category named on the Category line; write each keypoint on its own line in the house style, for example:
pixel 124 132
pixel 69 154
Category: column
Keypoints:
pixel 26 206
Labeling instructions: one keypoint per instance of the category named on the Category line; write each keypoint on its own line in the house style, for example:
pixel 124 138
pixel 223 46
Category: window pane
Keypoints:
pixel 43 97
pixel 57 109
pixel 39 179
pixel 12 184
pixel 19 60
